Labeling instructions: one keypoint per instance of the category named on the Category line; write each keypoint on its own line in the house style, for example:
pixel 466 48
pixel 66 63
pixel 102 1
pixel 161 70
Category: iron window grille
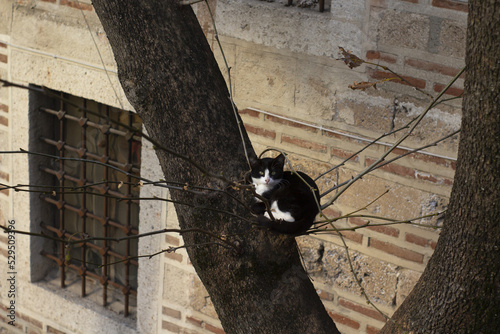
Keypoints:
pixel 310 3
pixel 93 196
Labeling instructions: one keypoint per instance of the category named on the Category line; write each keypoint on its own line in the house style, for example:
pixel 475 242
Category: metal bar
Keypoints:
pixel 89 123
pixel 104 159
pixel 59 203
pixel 83 176
pixel 105 225
pixel 100 189
pixel 62 249
pixel 127 251
pixel 73 237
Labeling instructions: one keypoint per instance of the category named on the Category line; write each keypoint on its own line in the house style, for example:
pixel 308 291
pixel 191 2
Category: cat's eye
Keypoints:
pixel 272 173
pixel 261 173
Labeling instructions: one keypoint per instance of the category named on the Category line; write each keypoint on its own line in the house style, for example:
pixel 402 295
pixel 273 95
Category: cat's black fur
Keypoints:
pixel 287 193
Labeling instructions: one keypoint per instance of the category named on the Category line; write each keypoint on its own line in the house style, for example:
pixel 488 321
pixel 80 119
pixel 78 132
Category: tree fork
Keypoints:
pixel 170 76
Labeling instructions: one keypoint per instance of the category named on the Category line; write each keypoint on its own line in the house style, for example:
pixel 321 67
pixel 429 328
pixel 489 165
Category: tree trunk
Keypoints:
pixel 171 78
pixel 458 292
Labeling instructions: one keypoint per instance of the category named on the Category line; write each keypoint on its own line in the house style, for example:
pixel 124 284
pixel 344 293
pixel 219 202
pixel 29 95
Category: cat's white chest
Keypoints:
pixel 262 188
pixel 278 214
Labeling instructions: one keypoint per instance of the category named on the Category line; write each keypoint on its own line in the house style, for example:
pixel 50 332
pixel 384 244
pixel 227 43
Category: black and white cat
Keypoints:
pixel 292 202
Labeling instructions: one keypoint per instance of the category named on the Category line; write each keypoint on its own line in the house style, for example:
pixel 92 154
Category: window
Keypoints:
pixel 90 195
pixel 320 5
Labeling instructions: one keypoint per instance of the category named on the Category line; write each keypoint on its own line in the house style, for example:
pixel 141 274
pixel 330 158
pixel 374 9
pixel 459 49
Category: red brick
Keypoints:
pixel 76 4
pixel 4 192
pixel 378 3
pixel 450 91
pixel 427 158
pixel 427 177
pixel 169 239
pixel 3 252
pixel 432 67
pixel 3 45
pixel 353 236
pixel 333 135
pixel 377 55
pixel 372 54
pixel 417 240
pixel 433 244
pixel 249 112
pixel 4 107
pixel 304 143
pixel 194 321
pixel 32 321
pixel 412 1
pixel 391 231
pixel 170 312
pixel 371 330
pixel 4 176
pixel 260 131
pixel 393 168
pixel 53 1
pixel 173 256
pixel 52 330
pixel 448 182
pixel 396 251
pixel 170 326
pixel 4 121
pixel 342 154
pixel 342 319
pixel 410 81
pixel 433 179
pixel 214 329
pixel 290 123
pixel 325 295
pixel 331 213
pixel 451 4
pixel 3 58
pixel 369 312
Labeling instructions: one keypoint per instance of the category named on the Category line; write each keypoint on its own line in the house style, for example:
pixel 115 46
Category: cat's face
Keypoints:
pixel 266 173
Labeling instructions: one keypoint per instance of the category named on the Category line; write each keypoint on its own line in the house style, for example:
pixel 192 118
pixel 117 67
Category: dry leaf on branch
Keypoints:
pixel 363 85
pixel 350 59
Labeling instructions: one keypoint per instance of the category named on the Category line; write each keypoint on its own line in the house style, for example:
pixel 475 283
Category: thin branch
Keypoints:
pixel 381 158
pixel 238 122
pixel 73 239
pixel 319 229
pixel 374 141
pixel 135 131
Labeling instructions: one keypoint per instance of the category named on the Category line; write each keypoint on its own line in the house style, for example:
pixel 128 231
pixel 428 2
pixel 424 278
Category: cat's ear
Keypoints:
pixel 279 160
pixel 254 161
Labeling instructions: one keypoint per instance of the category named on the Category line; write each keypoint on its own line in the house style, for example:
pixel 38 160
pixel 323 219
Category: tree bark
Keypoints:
pixel 171 78
pixel 458 292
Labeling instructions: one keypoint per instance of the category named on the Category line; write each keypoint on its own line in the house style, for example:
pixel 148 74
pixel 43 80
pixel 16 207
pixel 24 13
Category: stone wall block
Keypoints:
pixel 199 299
pixel 328 265
pixel 403 29
pixel 452 39
pixel 406 280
